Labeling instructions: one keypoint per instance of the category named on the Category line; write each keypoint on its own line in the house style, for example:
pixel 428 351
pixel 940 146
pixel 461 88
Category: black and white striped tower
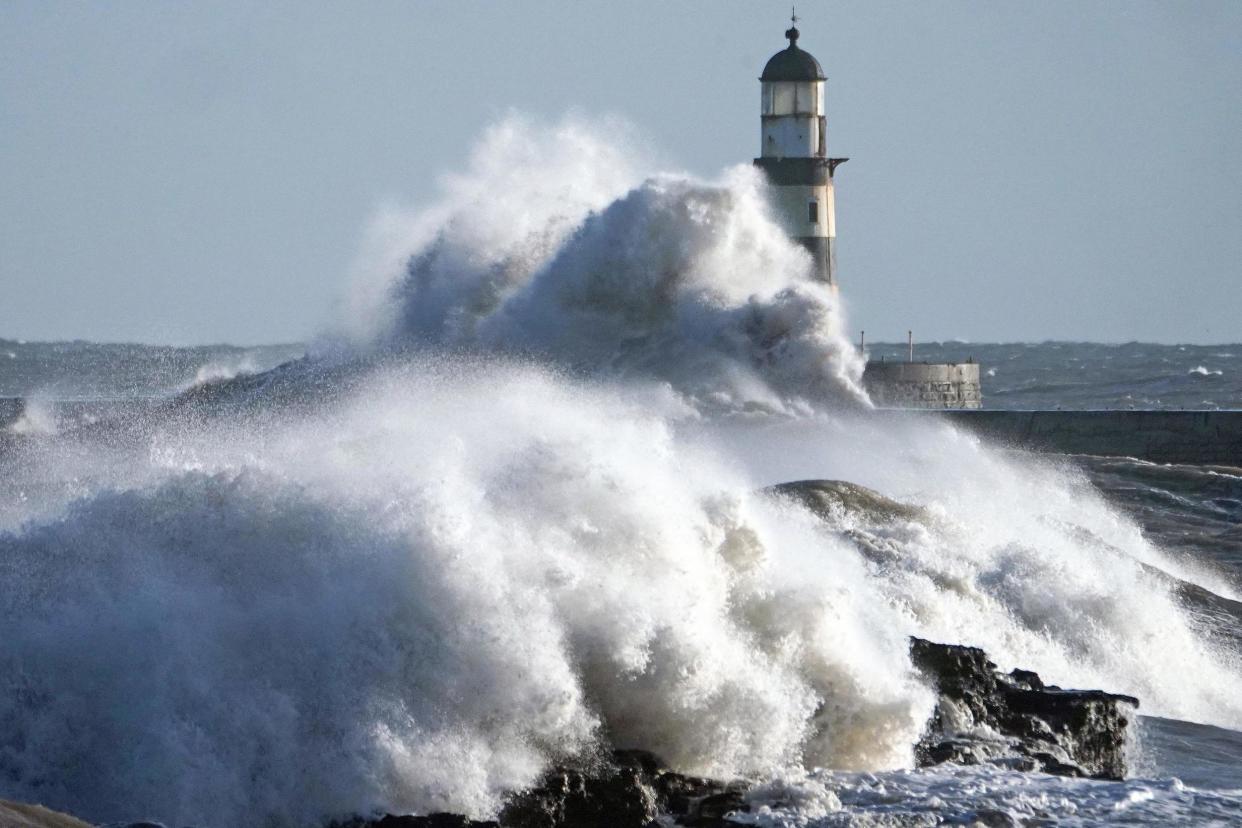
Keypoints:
pixel 794 152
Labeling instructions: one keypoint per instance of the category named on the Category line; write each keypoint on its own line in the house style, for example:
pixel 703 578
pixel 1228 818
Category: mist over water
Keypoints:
pixel 534 528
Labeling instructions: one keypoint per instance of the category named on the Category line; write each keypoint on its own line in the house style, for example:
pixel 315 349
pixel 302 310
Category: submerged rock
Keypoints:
pixel 1015 719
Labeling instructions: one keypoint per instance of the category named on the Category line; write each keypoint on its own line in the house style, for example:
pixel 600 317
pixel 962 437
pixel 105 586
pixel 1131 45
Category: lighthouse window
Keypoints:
pixel 783 98
pixel 812 212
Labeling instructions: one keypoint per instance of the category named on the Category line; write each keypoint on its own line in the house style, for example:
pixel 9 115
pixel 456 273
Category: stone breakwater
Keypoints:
pixel 923 385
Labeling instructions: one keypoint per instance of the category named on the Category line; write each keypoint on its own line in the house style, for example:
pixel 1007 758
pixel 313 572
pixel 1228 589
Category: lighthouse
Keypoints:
pixel 794 152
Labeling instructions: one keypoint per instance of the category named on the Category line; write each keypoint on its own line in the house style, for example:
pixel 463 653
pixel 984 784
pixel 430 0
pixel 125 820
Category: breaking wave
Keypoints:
pixel 552 246
pixel 1201 371
pixel 222 369
pixel 540 526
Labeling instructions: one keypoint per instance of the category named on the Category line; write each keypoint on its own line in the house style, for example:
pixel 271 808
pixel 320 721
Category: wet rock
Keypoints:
pixel 1016 720
pixel 714 810
pixel 826 498
pixel 632 790
pixel 428 821
pixel 1011 720
pixel 615 796
pixel 23 815
pixel 432 821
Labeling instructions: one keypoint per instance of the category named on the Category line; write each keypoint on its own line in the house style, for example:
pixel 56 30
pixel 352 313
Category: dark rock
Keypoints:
pixel 713 811
pixel 630 791
pixel 992 818
pixel 642 760
pixel 691 797
pixel 826 497
pixel 429 821
pixel 1038 727
pixel 613 797
pixel 1066 732
pixel 26 815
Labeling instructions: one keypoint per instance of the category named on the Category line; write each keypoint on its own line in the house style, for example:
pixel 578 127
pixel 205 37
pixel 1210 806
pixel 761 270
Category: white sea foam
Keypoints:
pixel 553 246
pixel 421 598
pixel 38 417
pixel 979 796
pixel 222 369
pixel 1202 371
pixel 419 593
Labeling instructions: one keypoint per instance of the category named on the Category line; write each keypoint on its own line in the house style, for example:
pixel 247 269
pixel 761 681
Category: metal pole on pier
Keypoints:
pixel 862 340
pixel 910 343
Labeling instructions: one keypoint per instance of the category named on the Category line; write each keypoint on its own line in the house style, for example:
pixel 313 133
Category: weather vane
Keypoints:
pixel 793 14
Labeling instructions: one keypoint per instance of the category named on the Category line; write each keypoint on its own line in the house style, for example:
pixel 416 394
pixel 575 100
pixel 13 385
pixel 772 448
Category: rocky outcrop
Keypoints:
pixel 630 791
pixel 1014 719
pixel 826 498
pixel 21 815
pixel 983 716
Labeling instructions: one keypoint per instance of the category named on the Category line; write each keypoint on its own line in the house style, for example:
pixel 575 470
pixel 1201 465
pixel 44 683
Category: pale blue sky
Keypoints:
pixel 194 172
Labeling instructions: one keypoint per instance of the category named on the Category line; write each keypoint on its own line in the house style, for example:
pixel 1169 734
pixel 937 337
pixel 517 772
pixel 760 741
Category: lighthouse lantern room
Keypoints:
pixel 794 152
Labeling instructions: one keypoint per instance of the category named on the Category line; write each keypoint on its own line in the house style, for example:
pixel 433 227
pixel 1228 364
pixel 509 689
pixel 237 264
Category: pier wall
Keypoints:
pixel 1204 437
pixel 923 384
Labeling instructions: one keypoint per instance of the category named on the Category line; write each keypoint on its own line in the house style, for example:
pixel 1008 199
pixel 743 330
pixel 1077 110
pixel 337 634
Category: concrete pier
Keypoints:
pixel 923 384
pixel 1201 437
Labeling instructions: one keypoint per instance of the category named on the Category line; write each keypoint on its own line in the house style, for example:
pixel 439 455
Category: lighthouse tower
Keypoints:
pixel 794 152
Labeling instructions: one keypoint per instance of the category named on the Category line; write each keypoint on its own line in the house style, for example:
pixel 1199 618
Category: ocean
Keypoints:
pixel 515 510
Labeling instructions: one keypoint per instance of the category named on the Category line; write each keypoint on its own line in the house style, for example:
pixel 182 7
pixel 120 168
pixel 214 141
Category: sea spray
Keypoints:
pixel 520 518
pixel 1012 553
pixel 525 188
pixel 38 416
pixel 563 253
pixel 422 598
pixel 219 370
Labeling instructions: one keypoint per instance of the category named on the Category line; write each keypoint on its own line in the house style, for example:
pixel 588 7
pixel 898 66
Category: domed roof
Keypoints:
pixel 792 64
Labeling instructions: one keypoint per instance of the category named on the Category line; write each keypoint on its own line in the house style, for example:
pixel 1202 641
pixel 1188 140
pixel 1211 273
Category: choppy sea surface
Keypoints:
pixel 516 511
pixel 1043 375
pixel 89 371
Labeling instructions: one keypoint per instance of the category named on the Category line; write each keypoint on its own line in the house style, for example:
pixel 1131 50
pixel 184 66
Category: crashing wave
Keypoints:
pixel 565 255
pixel 516 519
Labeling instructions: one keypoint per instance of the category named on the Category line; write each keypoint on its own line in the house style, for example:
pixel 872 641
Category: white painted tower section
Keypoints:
pixel 793 119
pixel 794 152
